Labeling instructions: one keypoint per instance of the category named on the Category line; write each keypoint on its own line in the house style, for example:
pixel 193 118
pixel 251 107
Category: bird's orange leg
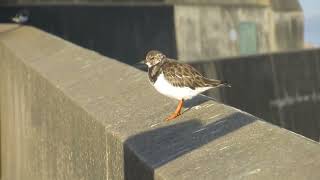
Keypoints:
pixel 177 112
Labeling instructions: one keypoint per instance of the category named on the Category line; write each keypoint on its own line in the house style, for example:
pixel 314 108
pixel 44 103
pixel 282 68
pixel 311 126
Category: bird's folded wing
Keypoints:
pixel 184 75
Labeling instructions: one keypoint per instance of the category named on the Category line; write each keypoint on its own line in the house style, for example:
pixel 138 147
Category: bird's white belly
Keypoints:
pixel 165 88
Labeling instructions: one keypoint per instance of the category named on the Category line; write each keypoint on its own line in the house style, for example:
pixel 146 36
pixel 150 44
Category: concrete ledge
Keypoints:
pixel 283 93
pixel 70 113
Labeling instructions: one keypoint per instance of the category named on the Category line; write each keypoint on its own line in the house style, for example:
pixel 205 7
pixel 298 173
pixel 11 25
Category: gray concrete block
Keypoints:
pixel 218 30
pixel 278 87
pixel 70 113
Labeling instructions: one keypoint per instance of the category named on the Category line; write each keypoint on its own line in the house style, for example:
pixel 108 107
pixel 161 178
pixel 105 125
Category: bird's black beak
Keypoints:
pixel 141 65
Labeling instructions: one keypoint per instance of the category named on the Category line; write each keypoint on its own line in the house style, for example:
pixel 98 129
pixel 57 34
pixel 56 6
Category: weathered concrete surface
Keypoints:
pixel 282 88
pixel 285 5
pixel 187 29
pixel 69 113
pixel 289 29
pixel 216 31
pixel 213 31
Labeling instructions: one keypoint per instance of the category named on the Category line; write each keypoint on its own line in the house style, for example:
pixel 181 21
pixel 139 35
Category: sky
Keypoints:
pixel 311 21
pixel 310 7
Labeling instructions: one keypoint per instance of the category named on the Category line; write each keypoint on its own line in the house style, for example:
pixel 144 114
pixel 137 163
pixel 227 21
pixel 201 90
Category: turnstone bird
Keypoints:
pixel 177 80
pixel 21 17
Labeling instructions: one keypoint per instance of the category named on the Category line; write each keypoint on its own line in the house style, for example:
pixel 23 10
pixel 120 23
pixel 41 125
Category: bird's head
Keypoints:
pixel 154 57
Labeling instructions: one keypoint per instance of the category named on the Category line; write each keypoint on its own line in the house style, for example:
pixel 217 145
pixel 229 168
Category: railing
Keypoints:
pixel 70 113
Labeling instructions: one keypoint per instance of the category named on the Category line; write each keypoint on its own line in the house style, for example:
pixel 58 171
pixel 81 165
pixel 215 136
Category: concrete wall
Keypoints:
pixel 289 30
pixel 121 32
pixel 69 113
pixel 216 31
pixel 213 31
pixel 282 88
pixel 189 30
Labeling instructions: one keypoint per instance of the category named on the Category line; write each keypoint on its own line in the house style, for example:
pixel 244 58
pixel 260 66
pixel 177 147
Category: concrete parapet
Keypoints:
pixel 282 88
pixel 70 113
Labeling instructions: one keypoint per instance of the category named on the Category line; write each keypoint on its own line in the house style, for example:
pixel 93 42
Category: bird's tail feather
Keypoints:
pixel 217 83
pixel 225 83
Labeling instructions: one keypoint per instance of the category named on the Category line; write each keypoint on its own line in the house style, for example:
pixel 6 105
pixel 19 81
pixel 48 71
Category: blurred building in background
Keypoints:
pixel 187 29
pixel 220 28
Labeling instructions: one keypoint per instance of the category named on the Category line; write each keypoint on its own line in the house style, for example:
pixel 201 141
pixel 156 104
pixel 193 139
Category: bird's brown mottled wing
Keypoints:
pixel 184 75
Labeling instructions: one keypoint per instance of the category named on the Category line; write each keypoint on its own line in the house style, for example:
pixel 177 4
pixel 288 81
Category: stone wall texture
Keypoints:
pixel 282 88
pixel 185 29
pixel 70 113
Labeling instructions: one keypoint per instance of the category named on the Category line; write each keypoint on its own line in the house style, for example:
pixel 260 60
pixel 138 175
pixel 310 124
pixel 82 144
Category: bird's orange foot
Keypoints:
pixel 173 116
pixel 177 112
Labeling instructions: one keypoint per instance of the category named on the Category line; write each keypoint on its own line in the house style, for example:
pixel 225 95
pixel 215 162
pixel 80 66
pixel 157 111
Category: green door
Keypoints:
pixel 248 38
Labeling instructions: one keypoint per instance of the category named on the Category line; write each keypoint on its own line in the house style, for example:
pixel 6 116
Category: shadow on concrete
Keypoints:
pixel 145 152
pixel 282 88
pixel 197 100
